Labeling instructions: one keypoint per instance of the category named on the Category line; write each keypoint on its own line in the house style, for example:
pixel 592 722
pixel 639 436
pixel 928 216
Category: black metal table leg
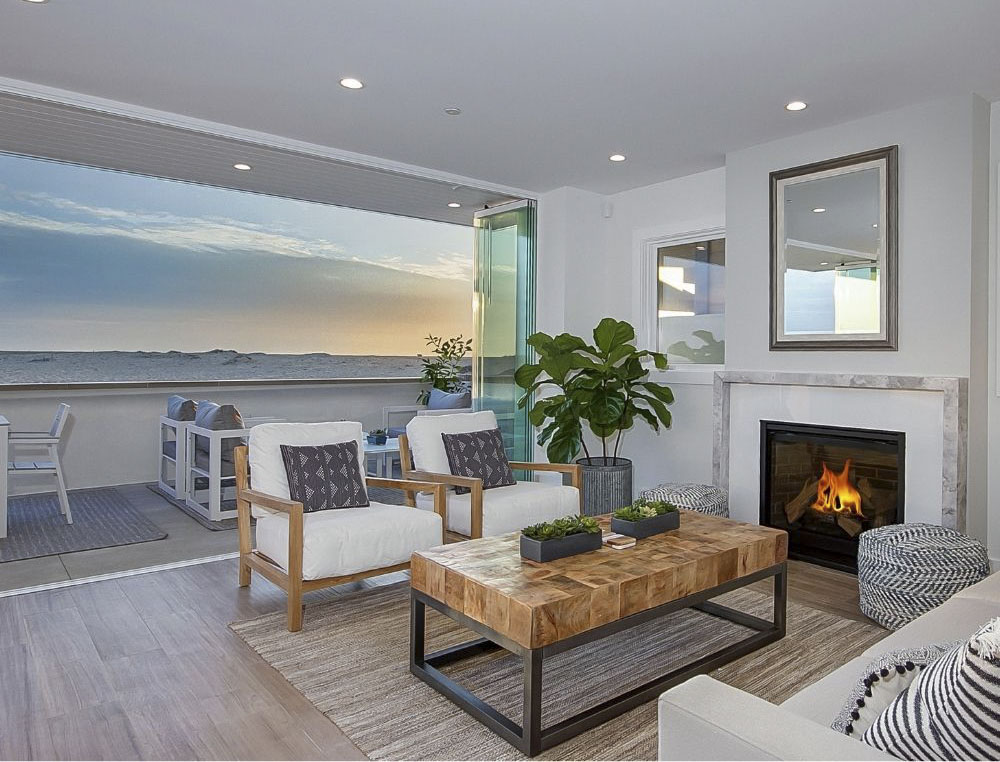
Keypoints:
pixel 417 624
pixel 531 718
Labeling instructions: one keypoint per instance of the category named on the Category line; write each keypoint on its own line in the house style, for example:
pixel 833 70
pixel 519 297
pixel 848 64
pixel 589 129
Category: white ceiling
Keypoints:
pixel 548 88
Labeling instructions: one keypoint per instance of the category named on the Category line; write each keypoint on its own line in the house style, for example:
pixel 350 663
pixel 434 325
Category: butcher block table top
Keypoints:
pixel 536 604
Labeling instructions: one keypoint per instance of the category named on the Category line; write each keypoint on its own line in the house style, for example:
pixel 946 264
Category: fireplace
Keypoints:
pixel 825 485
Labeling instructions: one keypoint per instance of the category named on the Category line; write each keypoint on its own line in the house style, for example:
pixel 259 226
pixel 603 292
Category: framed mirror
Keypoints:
pixel 833 254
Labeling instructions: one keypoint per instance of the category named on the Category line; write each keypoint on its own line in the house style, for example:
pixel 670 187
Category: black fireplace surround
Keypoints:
pixel 825 485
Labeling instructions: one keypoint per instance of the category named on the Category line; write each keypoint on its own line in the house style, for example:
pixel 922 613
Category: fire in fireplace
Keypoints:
pixel 825 485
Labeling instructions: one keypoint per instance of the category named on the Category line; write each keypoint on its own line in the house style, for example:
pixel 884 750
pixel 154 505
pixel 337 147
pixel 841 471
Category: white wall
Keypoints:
pixel 943 281
pixel 993 450
pixel 112 437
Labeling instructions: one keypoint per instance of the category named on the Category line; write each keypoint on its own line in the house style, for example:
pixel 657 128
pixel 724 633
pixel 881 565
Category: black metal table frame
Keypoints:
pixel 529 737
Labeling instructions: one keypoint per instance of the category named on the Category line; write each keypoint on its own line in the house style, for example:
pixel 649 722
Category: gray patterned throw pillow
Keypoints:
pixel 479 455
pixel 325 477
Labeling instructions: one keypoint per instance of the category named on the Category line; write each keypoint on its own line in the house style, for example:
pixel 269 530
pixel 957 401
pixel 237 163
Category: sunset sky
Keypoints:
pixel 98 260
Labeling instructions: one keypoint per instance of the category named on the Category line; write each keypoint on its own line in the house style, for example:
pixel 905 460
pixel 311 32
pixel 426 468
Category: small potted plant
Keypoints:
pixel 560 538
pixel 645 518
pixel 377 437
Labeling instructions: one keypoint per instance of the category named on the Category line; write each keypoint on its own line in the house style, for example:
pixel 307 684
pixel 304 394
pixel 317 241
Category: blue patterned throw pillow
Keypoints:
pixel 325 477
pixel 479 455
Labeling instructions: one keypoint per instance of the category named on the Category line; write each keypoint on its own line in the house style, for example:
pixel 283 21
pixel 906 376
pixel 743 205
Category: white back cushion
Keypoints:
pixel 267 469
pixel 424 435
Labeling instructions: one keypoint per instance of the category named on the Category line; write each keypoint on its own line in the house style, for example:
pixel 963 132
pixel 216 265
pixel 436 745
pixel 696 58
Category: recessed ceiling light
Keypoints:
pixel 36 2
pixel 242 166
pixel 796 106
pixel 822 264
pixel 453 111
pixel 819 209
pixel 700 248
pixel 875 225
pixel 454 205
pixel 617 157
pixel 351 83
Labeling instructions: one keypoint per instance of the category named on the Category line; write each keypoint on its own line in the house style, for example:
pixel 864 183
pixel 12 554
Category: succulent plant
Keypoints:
pixel 644 509
pixel 564 527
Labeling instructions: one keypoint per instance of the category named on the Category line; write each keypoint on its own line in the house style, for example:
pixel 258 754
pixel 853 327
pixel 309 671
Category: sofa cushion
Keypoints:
pixel 267 469
pixel 952 709
pixel 424 436
pixel 325 477
pixel 181 408
pixel 509 509
pixel 439 400
pixel 336 543
pixel 987 590
pixel 479 455
pixel 955 620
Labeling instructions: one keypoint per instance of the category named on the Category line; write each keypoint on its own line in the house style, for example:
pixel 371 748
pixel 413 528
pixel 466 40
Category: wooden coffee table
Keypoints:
pixel 538 610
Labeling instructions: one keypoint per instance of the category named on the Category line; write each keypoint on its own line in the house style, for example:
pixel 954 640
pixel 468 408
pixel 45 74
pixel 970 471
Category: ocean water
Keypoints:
pixel 215 365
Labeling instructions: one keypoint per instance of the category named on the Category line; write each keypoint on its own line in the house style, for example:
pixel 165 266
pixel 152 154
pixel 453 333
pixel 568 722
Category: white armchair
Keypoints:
pixel 479 512
pixel 301 551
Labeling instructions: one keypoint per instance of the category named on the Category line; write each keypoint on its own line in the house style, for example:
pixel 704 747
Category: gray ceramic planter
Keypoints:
pixel 550 550
pixel 647 527
pixel 607 484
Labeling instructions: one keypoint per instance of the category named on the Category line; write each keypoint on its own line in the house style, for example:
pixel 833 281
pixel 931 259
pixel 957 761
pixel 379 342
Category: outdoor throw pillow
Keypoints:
pixel 180 408
pixel 216 417
pixel 952 709
pixel 325 477
pixel 439 400
pixel 881 681
pixel 479 455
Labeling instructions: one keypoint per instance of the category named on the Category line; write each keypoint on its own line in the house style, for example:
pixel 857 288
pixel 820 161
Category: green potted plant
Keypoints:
pixel 563 537
pixel 645 518
pixel 601 387
pixel 378 437
pixel 445 367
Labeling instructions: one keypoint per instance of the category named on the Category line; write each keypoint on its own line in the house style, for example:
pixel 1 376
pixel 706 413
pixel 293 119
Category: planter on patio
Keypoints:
pixel 607 484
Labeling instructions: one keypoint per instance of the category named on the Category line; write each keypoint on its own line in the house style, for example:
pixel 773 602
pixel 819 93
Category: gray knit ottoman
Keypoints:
pixel 704 498
pixel 905 570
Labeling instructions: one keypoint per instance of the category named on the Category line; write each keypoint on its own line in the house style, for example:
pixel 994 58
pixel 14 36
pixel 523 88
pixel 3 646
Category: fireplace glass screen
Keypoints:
pixel 825 485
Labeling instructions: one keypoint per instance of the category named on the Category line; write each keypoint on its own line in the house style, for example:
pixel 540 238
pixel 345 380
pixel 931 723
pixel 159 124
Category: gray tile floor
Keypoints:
pixel 186 539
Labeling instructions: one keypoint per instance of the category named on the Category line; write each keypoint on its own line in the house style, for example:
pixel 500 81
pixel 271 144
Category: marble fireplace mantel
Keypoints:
pixel 955 411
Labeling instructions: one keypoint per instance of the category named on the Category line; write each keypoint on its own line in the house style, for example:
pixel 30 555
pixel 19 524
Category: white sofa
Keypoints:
pixel 706 719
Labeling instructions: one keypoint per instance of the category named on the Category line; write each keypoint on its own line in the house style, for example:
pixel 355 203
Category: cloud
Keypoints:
pixel 208 235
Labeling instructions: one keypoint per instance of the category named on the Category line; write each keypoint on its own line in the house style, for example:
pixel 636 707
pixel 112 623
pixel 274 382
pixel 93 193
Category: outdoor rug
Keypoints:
pixel 102 518
pixel 351 661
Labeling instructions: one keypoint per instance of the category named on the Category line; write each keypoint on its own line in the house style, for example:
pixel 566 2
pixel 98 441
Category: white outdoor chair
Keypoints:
pixel 479 512
pixel 48 441
pixel 173 472
pixel 301 551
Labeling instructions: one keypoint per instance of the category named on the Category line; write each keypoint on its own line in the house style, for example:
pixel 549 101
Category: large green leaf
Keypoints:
pixel 565 441
pixel 658 408
pixel 525 375
pixel 610 333
pixel 541 342
pixel 567 342
pixel 606 407
pixel 557 365
pixel 661 392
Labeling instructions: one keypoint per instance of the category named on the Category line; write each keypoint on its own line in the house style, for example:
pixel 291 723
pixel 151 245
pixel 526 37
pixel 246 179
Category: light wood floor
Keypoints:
pixel 145 667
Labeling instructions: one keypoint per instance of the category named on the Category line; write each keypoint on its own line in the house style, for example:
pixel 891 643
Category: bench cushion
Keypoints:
pixel 351 540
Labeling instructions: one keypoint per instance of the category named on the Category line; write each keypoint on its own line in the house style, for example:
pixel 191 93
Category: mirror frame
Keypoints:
pixel 889 158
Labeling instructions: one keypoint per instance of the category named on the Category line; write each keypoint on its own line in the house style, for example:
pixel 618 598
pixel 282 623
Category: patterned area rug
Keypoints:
pixel 102 518
pixel 351 662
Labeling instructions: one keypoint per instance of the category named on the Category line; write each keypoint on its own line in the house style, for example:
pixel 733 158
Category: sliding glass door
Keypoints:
pixel 504 315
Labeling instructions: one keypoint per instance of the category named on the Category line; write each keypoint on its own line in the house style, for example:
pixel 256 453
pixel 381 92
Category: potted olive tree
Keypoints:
pixel 601 387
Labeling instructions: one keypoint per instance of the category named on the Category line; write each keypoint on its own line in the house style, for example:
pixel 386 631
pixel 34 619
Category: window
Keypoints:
pixel 691 301
pixel 110 276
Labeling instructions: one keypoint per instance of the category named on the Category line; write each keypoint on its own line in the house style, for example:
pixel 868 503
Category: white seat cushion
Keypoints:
pixel 267 469
pixel 509 509
pixel 424 436
pixel 350 540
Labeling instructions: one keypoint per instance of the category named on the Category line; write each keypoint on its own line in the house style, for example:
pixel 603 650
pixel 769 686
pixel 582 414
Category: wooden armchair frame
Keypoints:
pixel 475 486
pixel 291 581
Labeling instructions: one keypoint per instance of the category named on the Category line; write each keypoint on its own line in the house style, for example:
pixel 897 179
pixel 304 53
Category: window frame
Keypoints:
pixel 647 280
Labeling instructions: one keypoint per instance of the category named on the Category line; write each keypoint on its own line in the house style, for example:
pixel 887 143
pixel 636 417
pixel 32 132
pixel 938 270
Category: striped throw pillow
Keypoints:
pixel 952 709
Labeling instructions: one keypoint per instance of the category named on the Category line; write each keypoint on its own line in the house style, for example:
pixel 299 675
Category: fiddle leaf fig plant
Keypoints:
pixel 602 387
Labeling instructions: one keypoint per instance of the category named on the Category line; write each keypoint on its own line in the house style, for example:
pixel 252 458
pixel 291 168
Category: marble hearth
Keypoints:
pixel 931 410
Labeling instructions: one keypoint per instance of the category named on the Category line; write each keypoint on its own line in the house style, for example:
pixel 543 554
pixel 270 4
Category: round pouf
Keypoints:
pixel 704 498
pixel 905 570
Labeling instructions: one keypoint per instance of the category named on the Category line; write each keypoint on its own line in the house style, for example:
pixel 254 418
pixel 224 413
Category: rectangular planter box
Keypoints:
pixel 647 527
pixel 550 550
